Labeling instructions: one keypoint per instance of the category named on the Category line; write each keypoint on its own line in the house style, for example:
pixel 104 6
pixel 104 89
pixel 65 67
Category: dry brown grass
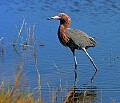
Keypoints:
pixel 77 95
pixel 15 95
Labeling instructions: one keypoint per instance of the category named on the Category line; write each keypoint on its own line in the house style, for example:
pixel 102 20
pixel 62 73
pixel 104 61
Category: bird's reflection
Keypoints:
pixel 93 76
pixel 85 93
pixel 91 80
pixel 75 75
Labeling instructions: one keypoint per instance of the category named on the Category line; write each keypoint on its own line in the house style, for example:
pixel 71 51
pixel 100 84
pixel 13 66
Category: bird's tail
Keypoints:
pixel 92 42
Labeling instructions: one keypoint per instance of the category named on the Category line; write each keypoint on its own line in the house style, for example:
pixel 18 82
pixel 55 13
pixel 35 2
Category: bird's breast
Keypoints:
pixel 63 38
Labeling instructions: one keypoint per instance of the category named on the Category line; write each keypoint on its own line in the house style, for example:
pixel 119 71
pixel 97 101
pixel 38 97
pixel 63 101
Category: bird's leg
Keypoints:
pixel 90 58
pixel 75 61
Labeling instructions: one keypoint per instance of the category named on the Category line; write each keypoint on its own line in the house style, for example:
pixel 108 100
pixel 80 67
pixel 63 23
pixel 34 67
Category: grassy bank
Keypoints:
pixel 16 94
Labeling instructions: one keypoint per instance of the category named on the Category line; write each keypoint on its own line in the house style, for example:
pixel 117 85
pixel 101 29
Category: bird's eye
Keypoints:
pixel 61 15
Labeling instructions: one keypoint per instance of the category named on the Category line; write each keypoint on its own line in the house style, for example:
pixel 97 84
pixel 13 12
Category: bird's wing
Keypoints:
pixel 80 38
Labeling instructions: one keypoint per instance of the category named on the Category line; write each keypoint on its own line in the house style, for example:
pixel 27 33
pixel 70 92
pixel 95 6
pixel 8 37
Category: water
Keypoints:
pixel 98 18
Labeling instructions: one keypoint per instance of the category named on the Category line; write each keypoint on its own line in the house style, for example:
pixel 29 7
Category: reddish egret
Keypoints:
pixel 72 38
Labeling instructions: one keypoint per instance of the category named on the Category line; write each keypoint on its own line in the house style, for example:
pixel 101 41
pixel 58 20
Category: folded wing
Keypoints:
pixel 80 39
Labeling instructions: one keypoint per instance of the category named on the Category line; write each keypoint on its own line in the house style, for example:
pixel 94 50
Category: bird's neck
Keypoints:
pixel 62 29
pixel 65 23
pixel 62 35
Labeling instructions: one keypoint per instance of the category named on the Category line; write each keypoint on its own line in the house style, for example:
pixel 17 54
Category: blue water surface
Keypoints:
pixel 98 18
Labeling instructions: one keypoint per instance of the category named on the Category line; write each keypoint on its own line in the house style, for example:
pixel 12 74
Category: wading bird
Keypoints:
pixel 72 38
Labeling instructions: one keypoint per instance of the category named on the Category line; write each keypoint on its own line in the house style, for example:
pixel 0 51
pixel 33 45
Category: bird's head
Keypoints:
pixel 64 19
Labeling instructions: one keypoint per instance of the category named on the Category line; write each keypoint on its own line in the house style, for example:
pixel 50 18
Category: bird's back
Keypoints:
pixel 79 39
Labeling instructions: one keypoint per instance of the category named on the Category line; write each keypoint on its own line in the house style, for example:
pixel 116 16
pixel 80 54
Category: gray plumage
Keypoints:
pixel 80 39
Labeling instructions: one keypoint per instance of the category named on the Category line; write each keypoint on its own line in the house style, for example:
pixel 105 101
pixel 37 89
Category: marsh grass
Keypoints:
pixel 15 94
pixel 23 42
pixel 80 95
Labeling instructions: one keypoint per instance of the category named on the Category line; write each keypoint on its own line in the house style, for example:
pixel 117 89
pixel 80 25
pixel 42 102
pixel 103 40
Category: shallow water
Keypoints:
pixel 98 18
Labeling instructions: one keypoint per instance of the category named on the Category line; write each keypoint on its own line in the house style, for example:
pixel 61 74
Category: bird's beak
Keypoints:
pixel 55 17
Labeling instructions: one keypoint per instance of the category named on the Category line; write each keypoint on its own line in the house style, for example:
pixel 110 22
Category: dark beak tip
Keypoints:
pixel 49 18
